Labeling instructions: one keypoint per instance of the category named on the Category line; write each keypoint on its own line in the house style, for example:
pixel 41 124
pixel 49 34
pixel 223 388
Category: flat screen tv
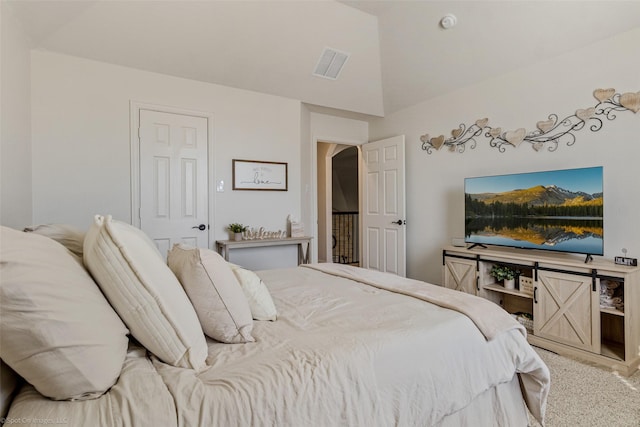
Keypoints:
pixel 559 210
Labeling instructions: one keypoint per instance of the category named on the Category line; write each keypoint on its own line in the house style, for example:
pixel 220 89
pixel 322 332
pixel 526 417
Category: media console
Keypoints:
pixel 563 296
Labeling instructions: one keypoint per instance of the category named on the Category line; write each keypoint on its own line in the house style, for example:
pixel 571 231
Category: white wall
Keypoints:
pixel 435 195
pixel 15 136
pixel 80 134
pixel 81 143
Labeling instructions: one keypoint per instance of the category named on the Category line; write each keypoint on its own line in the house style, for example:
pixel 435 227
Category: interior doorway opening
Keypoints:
pixel 338 203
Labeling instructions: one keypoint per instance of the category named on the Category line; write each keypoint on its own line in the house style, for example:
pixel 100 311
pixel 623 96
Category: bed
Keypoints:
pixel 349 347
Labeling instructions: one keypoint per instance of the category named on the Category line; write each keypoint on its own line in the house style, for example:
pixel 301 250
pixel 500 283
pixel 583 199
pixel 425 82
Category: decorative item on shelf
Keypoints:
pixel 549 133
pixel 526 285
pixel 624 260
pixel 237 230
pixel 262 234
pixel 525 319
pixel 612 295
pixel 296 229
pixel 504 274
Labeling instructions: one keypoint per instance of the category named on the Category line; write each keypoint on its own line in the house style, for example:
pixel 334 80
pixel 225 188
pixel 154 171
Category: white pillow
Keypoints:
pixel 257 294
pixel 67 235
pixel 214 291
pixel 134 277
pixel 58 331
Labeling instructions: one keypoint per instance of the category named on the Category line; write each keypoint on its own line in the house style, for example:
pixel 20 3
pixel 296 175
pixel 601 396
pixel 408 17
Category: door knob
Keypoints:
pixel 200 227
pixel 399 222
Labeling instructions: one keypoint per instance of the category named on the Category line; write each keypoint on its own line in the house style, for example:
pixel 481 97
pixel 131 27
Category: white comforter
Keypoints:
pixel 346 353
pixel 342 353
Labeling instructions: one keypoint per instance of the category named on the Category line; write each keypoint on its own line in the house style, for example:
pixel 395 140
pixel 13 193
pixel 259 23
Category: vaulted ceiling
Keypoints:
pixel 399 53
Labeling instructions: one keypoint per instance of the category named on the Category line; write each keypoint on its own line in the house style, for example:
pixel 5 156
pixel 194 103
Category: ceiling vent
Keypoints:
pixel 330 63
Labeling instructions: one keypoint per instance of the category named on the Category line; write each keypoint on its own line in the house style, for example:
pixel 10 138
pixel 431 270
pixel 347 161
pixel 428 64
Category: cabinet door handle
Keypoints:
pixel 535 294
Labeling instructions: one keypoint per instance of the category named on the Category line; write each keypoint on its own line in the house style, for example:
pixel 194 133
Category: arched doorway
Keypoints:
pixel 338 202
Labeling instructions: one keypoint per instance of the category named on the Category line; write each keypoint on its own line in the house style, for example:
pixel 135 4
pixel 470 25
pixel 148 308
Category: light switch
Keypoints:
pixel 220 186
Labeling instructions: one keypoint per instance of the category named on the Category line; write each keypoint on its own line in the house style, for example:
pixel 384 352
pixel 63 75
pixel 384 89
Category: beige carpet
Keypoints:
pixel 584 395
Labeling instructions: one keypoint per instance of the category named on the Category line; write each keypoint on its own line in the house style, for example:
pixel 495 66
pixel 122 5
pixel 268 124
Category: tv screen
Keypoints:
pixel 560 210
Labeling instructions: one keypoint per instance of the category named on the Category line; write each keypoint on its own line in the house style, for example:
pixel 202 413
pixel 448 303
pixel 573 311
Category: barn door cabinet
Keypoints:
pixel 589 311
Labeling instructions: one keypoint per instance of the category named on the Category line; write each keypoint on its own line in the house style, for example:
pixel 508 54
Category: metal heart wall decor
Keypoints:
pixel 631 101
pixel 603 94
pixel 515 137
pixel 549 133
pixel 585 115
pixel 482 122
pixel 437 141
pixel 546 125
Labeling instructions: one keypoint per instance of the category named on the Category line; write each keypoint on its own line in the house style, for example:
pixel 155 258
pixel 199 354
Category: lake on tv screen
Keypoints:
pixel 557 234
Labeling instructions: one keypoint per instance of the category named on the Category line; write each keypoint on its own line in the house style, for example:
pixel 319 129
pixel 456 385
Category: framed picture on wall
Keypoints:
pixel 259 175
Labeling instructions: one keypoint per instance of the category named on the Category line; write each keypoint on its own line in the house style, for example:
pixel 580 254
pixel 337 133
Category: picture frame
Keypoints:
pixel 260 175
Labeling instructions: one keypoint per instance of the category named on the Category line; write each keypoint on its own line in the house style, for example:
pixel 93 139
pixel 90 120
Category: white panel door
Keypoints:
pixel 383 219
pixel 173 179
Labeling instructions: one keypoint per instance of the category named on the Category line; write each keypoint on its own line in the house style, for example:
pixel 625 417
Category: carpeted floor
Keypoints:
pixel 584 395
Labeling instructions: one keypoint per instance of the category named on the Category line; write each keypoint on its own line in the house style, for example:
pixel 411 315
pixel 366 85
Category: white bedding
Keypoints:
pixel 342 353
pixel 139 398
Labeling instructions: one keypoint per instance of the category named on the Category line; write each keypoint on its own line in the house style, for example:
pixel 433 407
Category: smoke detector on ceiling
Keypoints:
pixel 448 21
pixel 330 63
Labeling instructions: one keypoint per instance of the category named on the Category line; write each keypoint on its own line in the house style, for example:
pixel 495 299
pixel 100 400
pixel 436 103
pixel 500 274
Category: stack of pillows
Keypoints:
pixel 62 335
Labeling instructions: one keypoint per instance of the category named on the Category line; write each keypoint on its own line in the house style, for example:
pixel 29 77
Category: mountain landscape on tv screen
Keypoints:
pixel 536 199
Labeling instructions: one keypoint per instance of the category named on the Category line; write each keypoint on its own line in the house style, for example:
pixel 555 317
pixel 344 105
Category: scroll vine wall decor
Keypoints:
pixel 549 133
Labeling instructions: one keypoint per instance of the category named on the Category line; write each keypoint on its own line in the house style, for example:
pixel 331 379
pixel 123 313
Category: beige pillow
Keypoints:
pixel 141 288
pixel 58 331
pixel 256 293
pixel 214 292
pixel 67 235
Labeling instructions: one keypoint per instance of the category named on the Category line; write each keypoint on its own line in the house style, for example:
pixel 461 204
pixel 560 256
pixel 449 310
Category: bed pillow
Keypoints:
pixel 256 293
pixel 58 331
pixel 141 288
pixel 67 235
pixel 214 291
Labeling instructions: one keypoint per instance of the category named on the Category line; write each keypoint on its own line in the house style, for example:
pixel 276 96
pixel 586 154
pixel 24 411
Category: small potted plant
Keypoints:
pixel 237 230
pixel 504 274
